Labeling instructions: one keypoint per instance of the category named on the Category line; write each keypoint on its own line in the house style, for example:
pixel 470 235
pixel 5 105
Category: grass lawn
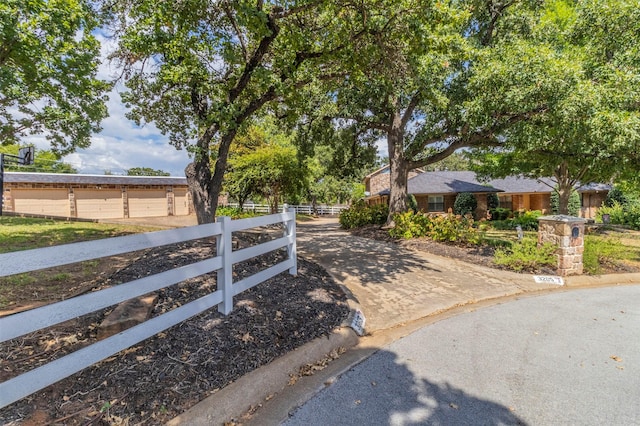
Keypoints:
pixel 21 233
pixel 43 286
pixel 605 249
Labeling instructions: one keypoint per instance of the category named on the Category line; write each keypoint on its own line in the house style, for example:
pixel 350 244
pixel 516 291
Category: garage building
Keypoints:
pixel 96 196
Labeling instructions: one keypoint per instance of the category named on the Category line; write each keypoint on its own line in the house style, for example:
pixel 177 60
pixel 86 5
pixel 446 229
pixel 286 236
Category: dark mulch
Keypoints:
pixel 163 376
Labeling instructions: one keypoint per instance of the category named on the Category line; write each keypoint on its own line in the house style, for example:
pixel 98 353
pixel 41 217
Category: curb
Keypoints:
pixel 602 280
pixel 260 385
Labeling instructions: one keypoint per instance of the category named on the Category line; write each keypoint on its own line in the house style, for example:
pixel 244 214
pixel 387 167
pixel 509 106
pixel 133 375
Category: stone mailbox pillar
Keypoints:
pixel 567 232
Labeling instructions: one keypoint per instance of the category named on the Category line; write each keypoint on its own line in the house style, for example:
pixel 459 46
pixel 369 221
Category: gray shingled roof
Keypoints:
pixel 64 178
pixel 519 184
pixel 445 182
pixel 595 187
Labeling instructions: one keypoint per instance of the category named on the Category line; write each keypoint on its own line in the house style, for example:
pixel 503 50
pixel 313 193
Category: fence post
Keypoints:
pixel 292 252
pixel 224 247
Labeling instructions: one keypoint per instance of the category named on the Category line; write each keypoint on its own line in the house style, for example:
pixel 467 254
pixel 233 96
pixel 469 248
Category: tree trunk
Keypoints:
pixel 221 167
pixel 205 188
pixel 198 176
pixel 399 170
pixel 565 188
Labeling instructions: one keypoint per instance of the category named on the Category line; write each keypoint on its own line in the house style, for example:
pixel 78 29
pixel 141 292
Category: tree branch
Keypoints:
pixel 255 59
pixel 408 113
pixel 234 24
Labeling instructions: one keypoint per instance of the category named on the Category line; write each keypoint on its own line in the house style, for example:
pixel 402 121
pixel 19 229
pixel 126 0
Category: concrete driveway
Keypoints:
pixel 566 358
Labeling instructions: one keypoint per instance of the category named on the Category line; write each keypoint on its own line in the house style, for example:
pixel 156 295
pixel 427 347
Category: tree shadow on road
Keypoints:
pixel 383 391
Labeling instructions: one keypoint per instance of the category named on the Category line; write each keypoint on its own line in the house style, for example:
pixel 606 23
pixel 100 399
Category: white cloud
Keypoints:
pixel 118 154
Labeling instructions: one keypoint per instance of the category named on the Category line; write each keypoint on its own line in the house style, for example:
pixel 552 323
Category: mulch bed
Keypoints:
pixel 164 376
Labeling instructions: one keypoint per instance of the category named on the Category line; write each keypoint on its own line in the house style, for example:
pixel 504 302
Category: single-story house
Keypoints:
pixel 437 191
pixel 95 196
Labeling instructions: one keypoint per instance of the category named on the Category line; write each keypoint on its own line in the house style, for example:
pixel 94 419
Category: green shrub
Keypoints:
pixel 616 196
pixel 410 225
pixel 500 213
pixel 234 212
pixel 525 255
pixel 412 203
pixel 465 203
pixel 450 228
pixel 599 250
pixel 528 220
pixel 628 215
pixel 493 202
pixel 361 214
pixel 444 228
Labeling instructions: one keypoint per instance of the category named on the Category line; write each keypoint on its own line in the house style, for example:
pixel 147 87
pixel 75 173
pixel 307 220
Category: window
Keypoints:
pixel 436 203
pixel 506 202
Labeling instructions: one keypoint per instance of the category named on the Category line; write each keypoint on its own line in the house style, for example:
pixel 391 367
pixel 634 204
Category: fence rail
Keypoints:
pixel 31 260
pixel 321 209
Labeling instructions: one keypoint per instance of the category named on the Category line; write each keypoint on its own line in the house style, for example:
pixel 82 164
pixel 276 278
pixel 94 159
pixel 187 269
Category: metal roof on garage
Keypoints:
pixel 65 178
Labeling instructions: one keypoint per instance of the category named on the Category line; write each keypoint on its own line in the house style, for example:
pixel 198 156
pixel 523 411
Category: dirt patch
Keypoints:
pixel 164 376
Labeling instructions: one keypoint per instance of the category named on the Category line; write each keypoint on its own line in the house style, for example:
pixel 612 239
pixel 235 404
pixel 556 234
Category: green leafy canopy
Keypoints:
pixel 48 65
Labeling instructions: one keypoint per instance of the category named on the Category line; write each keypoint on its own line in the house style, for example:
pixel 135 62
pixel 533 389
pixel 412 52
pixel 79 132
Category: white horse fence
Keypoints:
pixel 19 324
pixel 321 209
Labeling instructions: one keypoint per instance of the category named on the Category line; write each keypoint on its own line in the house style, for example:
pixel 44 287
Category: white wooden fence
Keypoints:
pixel 31 260
pixel 321 209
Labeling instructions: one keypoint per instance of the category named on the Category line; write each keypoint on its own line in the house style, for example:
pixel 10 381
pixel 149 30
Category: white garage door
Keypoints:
pixel 53 202
pixel 181 201
pixel 147 202
pixel 99 203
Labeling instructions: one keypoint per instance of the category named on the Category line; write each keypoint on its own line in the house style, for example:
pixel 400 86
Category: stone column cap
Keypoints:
pixel 563 218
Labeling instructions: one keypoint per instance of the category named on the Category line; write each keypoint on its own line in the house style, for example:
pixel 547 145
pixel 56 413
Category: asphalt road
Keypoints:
pixel 567 358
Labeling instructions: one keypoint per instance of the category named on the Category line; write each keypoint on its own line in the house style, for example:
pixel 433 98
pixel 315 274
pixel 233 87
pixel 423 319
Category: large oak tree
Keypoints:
pixel 579 68
pixel 200 69
pixel 408 81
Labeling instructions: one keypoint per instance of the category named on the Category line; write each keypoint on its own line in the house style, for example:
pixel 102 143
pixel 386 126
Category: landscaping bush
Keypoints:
pixel 443 228
pixel 616 196
pixel 493 202
pixel 627 215
pixel 525 255
pixel 412 203
pixel 235 212
pixel 410 225
pixel 500 213
pixel 527 220
pixel 361 214
pixel 598 251
pixel 455 229
pixel 465 204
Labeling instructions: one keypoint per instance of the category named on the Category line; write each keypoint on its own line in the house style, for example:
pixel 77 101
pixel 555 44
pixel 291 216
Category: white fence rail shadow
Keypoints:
pixel 31 260
pixel 321 209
